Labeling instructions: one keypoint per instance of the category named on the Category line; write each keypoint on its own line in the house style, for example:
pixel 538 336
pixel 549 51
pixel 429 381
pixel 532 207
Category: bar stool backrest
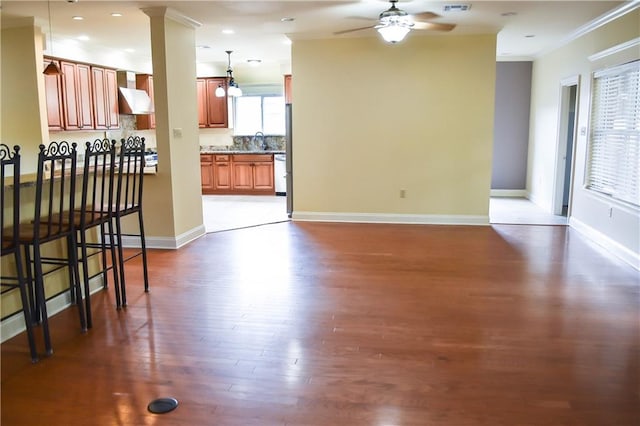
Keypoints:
pixel 55 190
pixel 10 219
pixel 130 175
pixel 98 190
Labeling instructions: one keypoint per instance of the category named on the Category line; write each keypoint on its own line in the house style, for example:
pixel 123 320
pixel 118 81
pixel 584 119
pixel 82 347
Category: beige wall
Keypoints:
pixel 177 182
pixel 370 119
pixel 590 211
pixel 24 117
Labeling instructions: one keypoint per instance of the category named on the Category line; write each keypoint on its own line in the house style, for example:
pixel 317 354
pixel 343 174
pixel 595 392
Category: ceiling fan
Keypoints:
pixel 394 24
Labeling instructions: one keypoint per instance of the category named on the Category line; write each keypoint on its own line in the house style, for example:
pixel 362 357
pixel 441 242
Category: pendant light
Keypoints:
pixel 233 90
pixel 52 68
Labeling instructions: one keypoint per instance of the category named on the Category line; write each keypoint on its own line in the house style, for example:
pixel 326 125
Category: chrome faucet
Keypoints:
pixel 260 135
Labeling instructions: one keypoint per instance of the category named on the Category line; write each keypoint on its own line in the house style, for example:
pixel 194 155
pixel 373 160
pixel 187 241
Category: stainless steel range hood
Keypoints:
pixel 132 100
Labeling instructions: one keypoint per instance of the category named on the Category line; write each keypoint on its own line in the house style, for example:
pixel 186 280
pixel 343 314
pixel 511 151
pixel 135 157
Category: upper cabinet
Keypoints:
pixel 84 97
pixel 288 93
pixel 77 96
pixel 212 110
pixel 53 94
pixel 105 89
pixel 146 121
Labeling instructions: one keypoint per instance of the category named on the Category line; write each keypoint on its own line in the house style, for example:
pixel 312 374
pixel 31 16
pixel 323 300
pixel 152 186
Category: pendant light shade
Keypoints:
pixel 233 89
pixel 52 68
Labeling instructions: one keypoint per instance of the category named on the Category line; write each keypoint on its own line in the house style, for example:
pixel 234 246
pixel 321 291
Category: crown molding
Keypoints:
pixel 608 17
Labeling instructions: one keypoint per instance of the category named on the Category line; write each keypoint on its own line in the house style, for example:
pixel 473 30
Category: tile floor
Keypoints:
pixel 521 211
pixel 227 212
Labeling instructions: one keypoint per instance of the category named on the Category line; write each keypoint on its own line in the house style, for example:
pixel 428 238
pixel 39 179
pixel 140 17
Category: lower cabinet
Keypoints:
pixel 237 174
pixel 206 172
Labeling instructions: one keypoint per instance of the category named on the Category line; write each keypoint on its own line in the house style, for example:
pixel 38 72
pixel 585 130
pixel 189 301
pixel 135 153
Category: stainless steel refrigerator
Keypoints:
pixel 289 162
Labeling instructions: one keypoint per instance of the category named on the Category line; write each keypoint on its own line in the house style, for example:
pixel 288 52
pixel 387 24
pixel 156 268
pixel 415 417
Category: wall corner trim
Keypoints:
pixel 615 49
pixel 610 16
pixel 166 243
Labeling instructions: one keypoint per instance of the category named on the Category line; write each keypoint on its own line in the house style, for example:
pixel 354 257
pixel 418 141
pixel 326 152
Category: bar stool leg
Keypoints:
pixel 26 303
pixel 121 297
pixel 41 301
pixel 144 253
pixel 75 278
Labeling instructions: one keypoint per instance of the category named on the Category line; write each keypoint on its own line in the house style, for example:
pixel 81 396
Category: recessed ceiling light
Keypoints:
pixel 77 18
pixel 203 46
pixel 254 62
pixel 129 50
pixel 116 14
pixel 228 31
pixel 287 19
pixel 508 14
pixel 530 35
pixel 83 37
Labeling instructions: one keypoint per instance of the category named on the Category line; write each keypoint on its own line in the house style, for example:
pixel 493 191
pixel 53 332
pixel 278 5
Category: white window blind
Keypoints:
pixel 614 150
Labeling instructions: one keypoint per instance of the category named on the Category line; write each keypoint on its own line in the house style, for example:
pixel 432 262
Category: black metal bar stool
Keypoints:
pixel 10 236
pixel 96 211
pixel 128 201
pixel 54 201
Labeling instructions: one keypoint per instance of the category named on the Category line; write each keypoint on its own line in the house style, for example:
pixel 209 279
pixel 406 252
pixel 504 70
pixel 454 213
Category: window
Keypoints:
pixel 259 114
pixel 614 150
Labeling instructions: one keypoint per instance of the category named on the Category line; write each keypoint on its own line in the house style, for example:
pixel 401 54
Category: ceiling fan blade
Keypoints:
pixel 424 16
pixel 434 26
pixel 353 29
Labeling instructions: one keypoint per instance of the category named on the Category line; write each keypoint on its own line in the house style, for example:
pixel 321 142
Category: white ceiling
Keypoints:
pixel 532 27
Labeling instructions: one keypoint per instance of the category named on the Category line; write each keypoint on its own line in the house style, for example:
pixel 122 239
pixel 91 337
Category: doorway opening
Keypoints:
pixel 561 203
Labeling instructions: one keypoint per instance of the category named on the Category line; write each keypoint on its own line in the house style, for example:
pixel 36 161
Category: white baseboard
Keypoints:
pixel 518 193
pixel 390 218
pixel 167 243
pixel 610 245
pixel 14 325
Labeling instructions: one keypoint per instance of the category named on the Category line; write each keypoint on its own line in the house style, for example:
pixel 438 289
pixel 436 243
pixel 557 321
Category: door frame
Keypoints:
pixel 562 144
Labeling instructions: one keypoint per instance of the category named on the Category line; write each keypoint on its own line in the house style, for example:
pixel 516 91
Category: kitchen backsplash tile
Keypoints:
pixel 249 143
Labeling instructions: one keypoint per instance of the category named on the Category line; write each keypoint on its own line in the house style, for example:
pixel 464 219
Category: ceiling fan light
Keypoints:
pixel 220 91
pixel 393 33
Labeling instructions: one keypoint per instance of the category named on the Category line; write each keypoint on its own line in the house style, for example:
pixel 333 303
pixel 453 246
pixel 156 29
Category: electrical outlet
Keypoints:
pixel 403 193
pixel 177 132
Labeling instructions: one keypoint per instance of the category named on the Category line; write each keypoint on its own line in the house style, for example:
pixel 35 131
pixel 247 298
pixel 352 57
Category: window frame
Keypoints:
pixel 262 116
pixel 605 177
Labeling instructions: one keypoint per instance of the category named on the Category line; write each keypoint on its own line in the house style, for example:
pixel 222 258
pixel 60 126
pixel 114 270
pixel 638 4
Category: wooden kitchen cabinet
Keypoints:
pixel 222 173
pixel 237 174
pixel 83 97
pixel 253 172
pixel 146 121
pixel 212 110
pixel 77 99
pixel 206 172
pixel 105 92
pixel 53 95
pixel 288 91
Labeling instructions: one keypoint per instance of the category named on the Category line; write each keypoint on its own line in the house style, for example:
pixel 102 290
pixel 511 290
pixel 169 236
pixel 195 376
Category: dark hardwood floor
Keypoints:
pixel 345 324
